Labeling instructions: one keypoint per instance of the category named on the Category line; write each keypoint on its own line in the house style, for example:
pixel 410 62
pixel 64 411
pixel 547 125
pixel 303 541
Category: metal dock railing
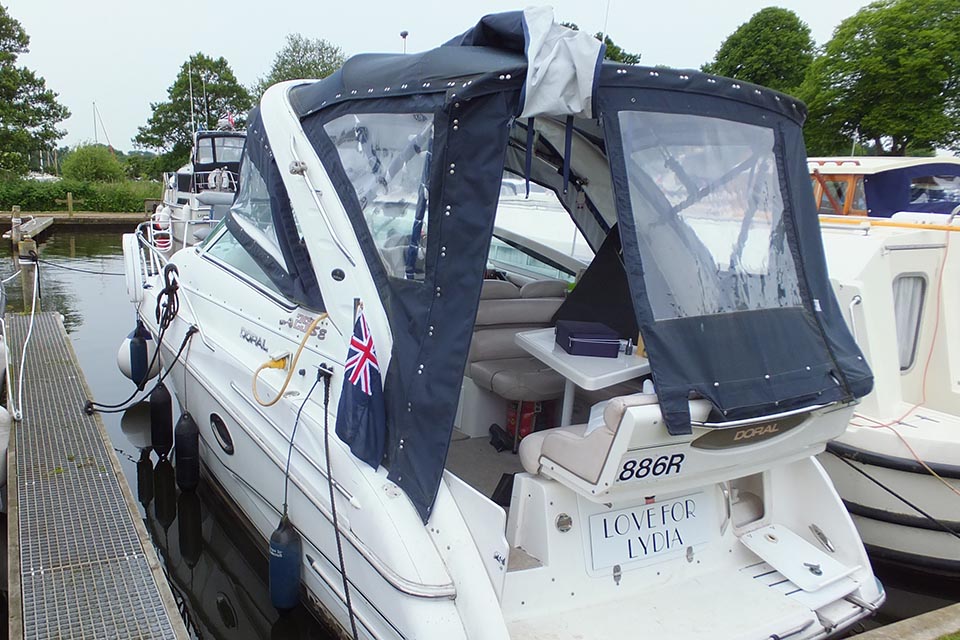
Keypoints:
pixel 80 562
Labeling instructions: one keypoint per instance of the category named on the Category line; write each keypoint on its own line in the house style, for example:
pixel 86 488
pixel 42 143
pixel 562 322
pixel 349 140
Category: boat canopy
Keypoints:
pixel 931 188
pixel 702 180
pixel 217 150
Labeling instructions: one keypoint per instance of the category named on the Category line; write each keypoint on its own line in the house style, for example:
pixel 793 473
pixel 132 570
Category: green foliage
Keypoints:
pixel 29 112
pixel 216 93
pixel 890 76
pixel 299 58
pixel 93 163
pixel 32 195
pixel 772 49
pixel 613 53
pixel 140 165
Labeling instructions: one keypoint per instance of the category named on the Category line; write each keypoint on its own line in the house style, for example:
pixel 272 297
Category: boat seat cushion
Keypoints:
pixel 517 378
pixel 499 290
pixel 569 448
pixel 526 312
pixel 573 449
pixel 544 289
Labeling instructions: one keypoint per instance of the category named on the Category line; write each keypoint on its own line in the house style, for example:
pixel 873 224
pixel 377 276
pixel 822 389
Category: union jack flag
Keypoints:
pixel 361 414
pixel 361 356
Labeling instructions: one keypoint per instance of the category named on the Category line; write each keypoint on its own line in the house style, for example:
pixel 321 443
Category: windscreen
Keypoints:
pixel 708 213
pixel 229 149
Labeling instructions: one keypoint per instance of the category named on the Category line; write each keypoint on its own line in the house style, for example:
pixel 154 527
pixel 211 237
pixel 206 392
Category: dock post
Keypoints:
pixel 15 225
pixel 27 275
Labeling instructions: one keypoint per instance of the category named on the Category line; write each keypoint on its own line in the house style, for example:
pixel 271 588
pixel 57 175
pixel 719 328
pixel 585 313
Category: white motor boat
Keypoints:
pixel 898 463
pixel 197 196
pixel 343 317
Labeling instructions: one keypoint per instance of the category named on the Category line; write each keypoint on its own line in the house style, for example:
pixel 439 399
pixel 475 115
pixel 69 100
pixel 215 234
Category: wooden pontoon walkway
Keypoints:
pixel 80 562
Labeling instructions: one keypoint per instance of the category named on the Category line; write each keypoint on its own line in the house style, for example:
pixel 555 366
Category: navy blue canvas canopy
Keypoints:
pixel 890 191
pixel 732 299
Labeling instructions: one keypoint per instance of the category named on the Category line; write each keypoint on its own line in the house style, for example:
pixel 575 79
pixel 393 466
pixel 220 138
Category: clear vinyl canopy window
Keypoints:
pixel 927 189
pixel 386 156
pixel 708 214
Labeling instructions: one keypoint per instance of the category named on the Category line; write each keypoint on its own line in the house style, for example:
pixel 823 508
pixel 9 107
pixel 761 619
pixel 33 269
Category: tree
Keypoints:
pixel 140 164
pixel 92 163
pixel 613 53
pixel 772 49
pixel 299 58
pixel 890 77
pixel 216 93
pixel 29 112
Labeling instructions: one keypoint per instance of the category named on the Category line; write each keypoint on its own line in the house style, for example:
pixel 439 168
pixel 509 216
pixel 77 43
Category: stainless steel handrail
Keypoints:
pixel 854 301
pixel 766 418
pixel 316 200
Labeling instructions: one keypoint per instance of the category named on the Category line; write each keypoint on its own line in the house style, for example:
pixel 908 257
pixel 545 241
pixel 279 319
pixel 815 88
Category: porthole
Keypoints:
pixel 227 613
pixel 221 433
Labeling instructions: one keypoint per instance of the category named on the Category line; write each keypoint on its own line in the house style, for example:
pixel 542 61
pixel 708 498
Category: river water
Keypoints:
pixel 217 570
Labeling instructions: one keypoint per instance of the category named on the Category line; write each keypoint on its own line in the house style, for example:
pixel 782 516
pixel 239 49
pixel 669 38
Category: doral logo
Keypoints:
pixel 753 432
pixel 253 339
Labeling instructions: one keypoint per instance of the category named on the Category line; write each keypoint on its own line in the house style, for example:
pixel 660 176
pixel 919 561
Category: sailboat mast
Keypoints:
pixel 193 125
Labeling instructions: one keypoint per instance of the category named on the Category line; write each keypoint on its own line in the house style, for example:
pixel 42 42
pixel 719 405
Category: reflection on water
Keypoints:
pixel 217 570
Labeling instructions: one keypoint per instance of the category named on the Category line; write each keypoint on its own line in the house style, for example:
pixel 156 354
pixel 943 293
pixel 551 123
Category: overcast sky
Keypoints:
pixel 124 54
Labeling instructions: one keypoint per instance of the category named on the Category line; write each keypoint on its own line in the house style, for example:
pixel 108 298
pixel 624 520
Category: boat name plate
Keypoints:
pixel 651 532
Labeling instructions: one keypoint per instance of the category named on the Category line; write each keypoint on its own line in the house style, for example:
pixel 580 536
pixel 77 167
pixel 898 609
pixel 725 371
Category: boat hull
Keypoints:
pixel 893 530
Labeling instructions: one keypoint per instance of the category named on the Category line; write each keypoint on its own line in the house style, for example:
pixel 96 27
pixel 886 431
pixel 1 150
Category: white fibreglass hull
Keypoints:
pixel 435 581
pixel 891 529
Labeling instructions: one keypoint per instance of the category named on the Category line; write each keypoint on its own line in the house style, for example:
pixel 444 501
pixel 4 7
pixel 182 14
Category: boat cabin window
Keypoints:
pixel 837 189
pixel 930 189
pixel 227 249
pixel 858 205
pixel 386 156
pixel 229 149
pixel 708 214
pixel 908 295
pixel 204 151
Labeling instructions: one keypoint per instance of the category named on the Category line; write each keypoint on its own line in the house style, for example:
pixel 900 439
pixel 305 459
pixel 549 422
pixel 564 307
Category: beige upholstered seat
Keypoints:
pixel 518 378
pixel 569 447
pixel 496 363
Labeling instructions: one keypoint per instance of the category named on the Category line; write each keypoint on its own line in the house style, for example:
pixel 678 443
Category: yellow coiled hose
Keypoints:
pixel 279 363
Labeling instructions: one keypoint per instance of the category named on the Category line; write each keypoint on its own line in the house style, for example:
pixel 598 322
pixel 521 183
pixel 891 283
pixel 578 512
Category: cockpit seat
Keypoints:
pixel 589 462
pixel 570 447
pixel 496 362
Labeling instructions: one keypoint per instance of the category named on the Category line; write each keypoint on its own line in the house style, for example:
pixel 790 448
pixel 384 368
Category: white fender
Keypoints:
pixel 124 358
pixel 133 267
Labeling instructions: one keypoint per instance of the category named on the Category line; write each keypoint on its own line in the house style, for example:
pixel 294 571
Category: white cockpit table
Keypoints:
pixel 587 372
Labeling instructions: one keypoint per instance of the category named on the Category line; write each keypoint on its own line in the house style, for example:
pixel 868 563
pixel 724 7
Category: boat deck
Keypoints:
pixel 80 562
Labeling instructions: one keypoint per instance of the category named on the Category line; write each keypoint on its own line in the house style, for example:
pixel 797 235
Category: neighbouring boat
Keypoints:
pixel 880 186
pixel 197 195
pixel 898 463
pixel 350 314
